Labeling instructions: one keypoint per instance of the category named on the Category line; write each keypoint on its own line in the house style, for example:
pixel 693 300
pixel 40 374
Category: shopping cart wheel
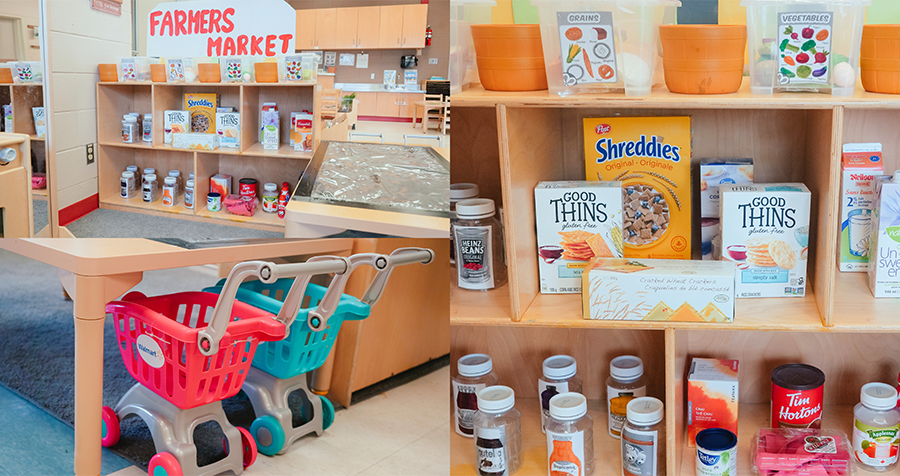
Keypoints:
pixel 327 413
pixel 269 435
pixel 110 431
pixel 249 447
pixel 164 464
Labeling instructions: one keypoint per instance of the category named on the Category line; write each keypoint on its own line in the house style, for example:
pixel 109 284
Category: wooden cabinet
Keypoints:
pixel 408 102
pixel 369 27
pixel 387 27
pixel 306 30
pixel 415 20
pixel 346 28
pixel 391 26
pixel 327 82
pixel 368 104
pixel 388 105
pixel 326 23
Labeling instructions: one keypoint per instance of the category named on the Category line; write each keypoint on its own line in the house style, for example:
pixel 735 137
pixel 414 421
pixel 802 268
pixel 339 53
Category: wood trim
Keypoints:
pixel 826 268
pixel 49 110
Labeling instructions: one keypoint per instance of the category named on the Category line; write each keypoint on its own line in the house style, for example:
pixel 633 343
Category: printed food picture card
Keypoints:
pixel 588 47
pixel 174 70
pixel 26 75
pixel 292 70
pixel 390 77
pixel 128 71
pixel 411 76
pixel 233 70
pixel 804 47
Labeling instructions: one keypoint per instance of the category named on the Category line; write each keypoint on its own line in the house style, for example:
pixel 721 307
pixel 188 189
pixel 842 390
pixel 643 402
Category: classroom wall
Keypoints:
pixel 29 12
pixel 80 39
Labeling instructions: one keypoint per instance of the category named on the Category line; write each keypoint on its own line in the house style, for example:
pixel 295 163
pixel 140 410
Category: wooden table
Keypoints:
pixel 425 105
pixel 96 271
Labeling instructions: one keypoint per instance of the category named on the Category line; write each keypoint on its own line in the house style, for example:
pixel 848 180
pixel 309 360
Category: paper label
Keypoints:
pixel 128 70
pixel 875 446
pixel 639 452
pixel 804 47
pixel 588 47
pixel 463 393
pixel 616 403
pixel 493 461
pixel 566 452
pixel 474 265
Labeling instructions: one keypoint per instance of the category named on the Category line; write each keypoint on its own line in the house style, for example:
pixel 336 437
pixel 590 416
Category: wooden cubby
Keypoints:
pixel 22 97
pixel 114 100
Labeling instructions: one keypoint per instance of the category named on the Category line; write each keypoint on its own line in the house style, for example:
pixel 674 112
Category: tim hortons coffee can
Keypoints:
pixel 248 188
pixel 797 391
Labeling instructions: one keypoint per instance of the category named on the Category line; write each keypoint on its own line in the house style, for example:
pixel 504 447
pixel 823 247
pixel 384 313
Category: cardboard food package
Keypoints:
pixel 861 165
pixel 228 128
pixel 203 112
pixel 884 241
pixel 712 396
pixel 221 184
pixel 177 122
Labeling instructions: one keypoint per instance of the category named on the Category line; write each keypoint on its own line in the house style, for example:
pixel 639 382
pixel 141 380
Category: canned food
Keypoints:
pixel 797 392
pixel 716 452
pixel 214 202
pixel 248 188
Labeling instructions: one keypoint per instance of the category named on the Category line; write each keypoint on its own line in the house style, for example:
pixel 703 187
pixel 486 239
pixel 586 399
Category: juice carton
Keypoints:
pixel 175 122
pixel 303 127
pixel 228 127
pixel 860 165
pixel 884 268
pixel 203 112
pixel 269 126
pixel 712 396
pixel 651 156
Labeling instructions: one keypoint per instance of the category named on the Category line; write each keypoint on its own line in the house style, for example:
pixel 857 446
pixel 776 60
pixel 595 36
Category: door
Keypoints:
pixel 388 105
pixel 391 26
pixel 368 104
pixel 415 20
pixel 306 30
pixel 325 27
pixel 369 27
pixel 345 32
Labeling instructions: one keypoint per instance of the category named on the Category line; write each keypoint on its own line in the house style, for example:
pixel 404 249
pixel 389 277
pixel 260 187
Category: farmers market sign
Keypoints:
pixel 221 28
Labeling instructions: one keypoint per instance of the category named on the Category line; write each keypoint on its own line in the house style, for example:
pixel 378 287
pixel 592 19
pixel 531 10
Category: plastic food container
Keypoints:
pixel 510 57
pixel 595 46
pixel 879 59
pixel 703 59
pixel 804 45
pixel 464 14
pixel 26 71
pixel 801 452
pixel 138 71
pixel 236 69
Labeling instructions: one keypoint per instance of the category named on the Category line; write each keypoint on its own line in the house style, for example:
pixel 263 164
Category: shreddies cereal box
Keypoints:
pixel 576 221
pixel 884 268
pixel 203 112
pixel 765 231
pixel 714 172
pixel 861 164
pixel 658 290
pixel 651 156
pixel 712 396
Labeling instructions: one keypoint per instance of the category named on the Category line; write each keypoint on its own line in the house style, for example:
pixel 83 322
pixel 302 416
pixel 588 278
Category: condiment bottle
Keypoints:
pixel 148 171
pixel 625 382
pixel 169 191
pixel 283 199
pixel 270 198
pixel 479 246
pixel 130 130
pixel 128 188
pixel 559 377
pixel 147 135
pixel 498 432
pixel 189 194
pixel 475 373
pixel 876 425
pixel 459 191
pixel 643 438
pixel 570 436
pixel 150 188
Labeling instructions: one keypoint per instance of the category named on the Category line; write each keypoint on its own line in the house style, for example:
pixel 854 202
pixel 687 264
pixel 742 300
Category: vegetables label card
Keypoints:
pixel 804 47
pixel 588 47
pixel 24 72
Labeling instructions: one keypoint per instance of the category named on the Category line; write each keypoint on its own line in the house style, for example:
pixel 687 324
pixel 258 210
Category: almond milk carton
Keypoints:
pixel 712 396
pixel 884 241
pixel 860 165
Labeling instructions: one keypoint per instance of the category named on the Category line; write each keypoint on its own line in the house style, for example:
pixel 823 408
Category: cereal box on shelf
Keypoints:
pixel 228 127
pixel 195 141
pixel 203 112
pixel 175 122
pixel 884 268
pixel 861 164
pixel 714 172
pixel 651 156
pixel 712 396
pixel 635 289
pixel 576 221
pixel 765 231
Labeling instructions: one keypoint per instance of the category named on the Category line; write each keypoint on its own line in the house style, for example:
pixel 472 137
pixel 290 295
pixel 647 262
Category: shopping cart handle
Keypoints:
pixel 400 257
pixel 294 299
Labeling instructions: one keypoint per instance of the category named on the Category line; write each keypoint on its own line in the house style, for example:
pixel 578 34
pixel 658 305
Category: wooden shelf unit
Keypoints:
pixel 22 97
pixel 114 100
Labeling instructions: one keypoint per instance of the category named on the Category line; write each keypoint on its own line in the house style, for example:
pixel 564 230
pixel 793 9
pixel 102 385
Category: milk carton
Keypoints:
pixel 765 231
pixel 712 396
pixel 860 165
pixel 715 172
pixel 884 241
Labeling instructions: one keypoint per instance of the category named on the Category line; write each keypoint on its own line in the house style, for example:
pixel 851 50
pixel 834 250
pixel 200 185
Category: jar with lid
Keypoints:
pixel 475 373
pixel 876 424
pixel 127 186
pixel 479 246
pixel 148 171
pixel 559 377
pixel 498 432
pixel 130 130
pixel 178 183
pixel 270 198
pixel 189 194
pixel 570 436
pixel 137 175
pixel 459 191
pixel 625 382
pixel 643 438
pixel 147 126
pixel 169 191
pixel 150 188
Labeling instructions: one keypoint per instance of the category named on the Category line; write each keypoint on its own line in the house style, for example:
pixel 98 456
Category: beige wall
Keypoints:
pixel 29 12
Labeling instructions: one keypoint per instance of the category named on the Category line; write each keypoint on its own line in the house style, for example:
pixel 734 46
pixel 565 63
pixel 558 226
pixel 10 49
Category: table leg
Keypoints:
pixel 416 114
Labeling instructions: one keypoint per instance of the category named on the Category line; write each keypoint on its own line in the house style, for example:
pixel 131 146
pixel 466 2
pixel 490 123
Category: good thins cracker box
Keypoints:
pixel 651 156
pixel 576 221
pixel 712 396
pixel 765 231
pixel 228 127
pixel 861 164
pixel 658 290
pixel 175 122
pixel 203 112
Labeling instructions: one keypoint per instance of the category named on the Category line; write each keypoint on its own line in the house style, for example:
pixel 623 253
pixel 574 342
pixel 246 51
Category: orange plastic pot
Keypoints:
pixel 879 59
pixel 510 57
pixel 6 76
pixel 108 72
pixel 703 59
pixel 512 74
pixel 209 73
pixel 266 72
pixel 158 73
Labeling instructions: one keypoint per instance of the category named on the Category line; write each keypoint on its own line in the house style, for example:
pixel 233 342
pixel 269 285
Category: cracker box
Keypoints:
pixel 176 122
pixel 228 128
pixel 576 221
pixel 203 112
pixel 651 156
pixel 765 231
pixel 884 267
pixel 40 122
pixel 195 141
pixel 714 172
pixel 636 289
pixel 860 165
pixel 712 396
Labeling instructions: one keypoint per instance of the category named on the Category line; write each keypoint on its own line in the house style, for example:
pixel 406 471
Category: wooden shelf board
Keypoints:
pixel 39 194
pixel 220 84
pixel 35 138
pixel 138 203
pixel 259 218
pixel 855 309
pixel 136 145
pixel 478 307
pixel 284 151
pixel 258 221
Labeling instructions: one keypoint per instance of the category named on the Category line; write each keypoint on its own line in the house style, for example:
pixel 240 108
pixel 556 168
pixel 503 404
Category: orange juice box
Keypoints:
pixel 712 396
pixel 651 156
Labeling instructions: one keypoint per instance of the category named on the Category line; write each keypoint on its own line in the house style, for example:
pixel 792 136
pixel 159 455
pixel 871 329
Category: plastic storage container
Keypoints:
pixel 138 71
pixel 559 377
pixel 801 452
pixel 464 14
pixel 816 49
pixel 476 372
pixel 27 71
pixel 612 46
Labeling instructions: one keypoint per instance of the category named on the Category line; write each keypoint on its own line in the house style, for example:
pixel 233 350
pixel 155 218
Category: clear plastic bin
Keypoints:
pixel 791 52
pixel 464 14
pixel 27 71
pixel 141 70
pixel 613 46
pixel 243 73
pixel 190 70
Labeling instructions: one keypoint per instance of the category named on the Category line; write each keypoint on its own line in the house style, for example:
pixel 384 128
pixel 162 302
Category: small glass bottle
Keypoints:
pixel 178 183
pixel 169 191
pixel 643 438
pixel 559 377
pixel 270 198
pixel 147 126
pixel 130 131
pixel 127 186
pixel 150 188
pixel 459 191
pixel 625 382
pixel 876 426
pixel 475 373
pixel 189 194
pixel 148 171
pixel 479 246
pixel 498 432
pixel 137 175
pixel 570 436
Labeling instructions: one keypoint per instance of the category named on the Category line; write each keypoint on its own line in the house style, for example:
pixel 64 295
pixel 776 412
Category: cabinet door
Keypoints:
pixel 306 30
pixel 415 20
pixel 391 26
pixel 388 104
pixel 408 102
pixel 325 27
pixel 346 27
pixel 369 27
pixel 368 104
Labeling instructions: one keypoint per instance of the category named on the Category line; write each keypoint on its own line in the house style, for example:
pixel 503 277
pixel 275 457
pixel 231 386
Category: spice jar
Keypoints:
pixel 559 377
pixel 479 246
pixel 459 191
pixel 876 425
pixel 169 191
pixel 150 188
pixel 147 133
pixel 797 393
pixel 127 186
pixel 189 194
pixel 498 432
pixel 643 438
pixel 475 373
pixel 270 198
pixel 570 436
pixel 137 175
pixel 130 130
pixel 625 382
